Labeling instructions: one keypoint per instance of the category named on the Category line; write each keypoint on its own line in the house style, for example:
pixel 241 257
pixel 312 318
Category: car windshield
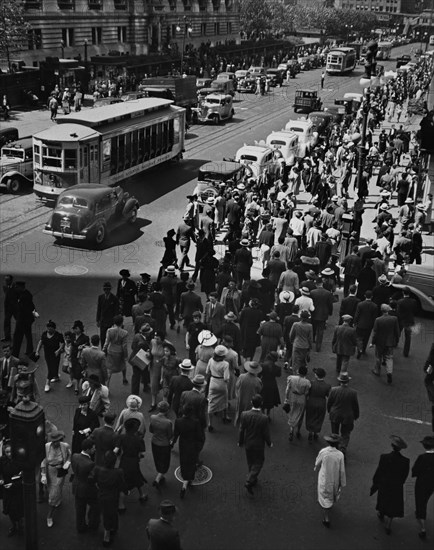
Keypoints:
pixel 213 101
pixel 248 157
pixel 296 129
pixel 277 142
pixel 13 153
pixel 76 202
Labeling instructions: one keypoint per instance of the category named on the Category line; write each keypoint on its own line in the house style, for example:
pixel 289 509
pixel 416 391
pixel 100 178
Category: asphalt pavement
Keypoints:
pixel 219 515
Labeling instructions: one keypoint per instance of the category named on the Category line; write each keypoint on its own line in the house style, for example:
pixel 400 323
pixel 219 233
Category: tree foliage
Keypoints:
pixel 13 28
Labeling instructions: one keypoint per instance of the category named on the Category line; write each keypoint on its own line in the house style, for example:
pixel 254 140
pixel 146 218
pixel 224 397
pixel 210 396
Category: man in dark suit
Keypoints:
pixel 190 302
pixel 107 309
pixel 323 302
pixel 406 310
pixel 126 293
pixel 364 319
pixel 10 306
pixel 343 409
pixel 388 480
pixel 85 492
pixel 381 292
pixel 184 235
pixel 234 214
pixel 24 319
pixel 93 360
pixel 161 533
pixel 8 369
pixel 243 262
pixel 349 304
pixel 385 337
pixel 180 384
pixel 254 433
pixel 214 315
pixel 105 438
pixel 196 399
pixel 352 265
pixel 344 344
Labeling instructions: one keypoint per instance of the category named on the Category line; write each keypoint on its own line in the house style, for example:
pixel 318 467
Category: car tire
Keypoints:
pixel 216 120
pixel 14 185
pixel 133 215
pixel 100 234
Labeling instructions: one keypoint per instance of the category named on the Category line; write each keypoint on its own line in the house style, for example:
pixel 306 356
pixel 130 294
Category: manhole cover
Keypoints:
pixel 202 476
pixel 71 270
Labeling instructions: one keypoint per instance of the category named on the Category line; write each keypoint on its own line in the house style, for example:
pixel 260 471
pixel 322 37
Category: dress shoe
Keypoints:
pixel 375 373
pixel 182 492
pixel 422 535
pixel 125 382
pixel 326 523
pixel 389 378
pixel 249 488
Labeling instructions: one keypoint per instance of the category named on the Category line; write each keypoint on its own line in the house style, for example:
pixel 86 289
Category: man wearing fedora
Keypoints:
pixel 85 492
pixel 352 265
pixel 141 312
pixel 254 434
pixel 107 308
pixel 214 315
pixel 179 384
pixel 323 303
pixel 184 236
pixel 126 293
pixel 169 285
pixel 231 328
pixel 406 213
pixel 388 480
pixel 243 262
pixel 406 310
pixel 344 344
pixel 385 337
pixel 190 302
pixel 364 319
pixel 196 399
pixel 161 533
pixel 423 471
pixel 343 409
pixel 105 438
pixel 93 359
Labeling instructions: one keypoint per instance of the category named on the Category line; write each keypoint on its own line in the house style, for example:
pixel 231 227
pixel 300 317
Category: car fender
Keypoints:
pixel 129 205
pixel 13 174
pixel 426 302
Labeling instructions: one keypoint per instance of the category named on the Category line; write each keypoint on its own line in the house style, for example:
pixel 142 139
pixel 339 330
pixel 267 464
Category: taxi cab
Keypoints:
pixel 255 158
pixel 307 136
pixel 286 143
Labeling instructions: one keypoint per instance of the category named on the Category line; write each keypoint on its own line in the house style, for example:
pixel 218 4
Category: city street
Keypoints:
pixel 284 514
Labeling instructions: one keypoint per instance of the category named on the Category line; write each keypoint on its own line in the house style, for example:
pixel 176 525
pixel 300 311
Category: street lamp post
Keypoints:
pixel 85 51
pixel 186 28
pixel 62 47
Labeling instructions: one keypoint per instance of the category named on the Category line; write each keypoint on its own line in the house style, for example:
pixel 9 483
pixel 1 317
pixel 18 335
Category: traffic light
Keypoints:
pixel 370 59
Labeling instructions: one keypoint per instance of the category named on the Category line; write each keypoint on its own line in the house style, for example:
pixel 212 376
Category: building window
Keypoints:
pixel 187 5
pixel 217 28
pixel 68 37
pixel 203 29
pixel 229 27
pixel 202 5
pixel 95 4
pixel 35 39
pixel 32 4
pixel 122 34
pixel 216 5
pixel 96 35
pixel 229 5
pixel 66 4
pixel 120 4
pixel 172 5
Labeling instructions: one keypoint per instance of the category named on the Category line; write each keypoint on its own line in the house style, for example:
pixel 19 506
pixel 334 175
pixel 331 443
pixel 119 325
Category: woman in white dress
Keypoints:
pixel 218 374
pixel 331 477
pixel 297 390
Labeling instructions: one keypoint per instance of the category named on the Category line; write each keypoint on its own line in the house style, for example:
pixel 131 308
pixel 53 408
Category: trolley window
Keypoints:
pixel 70 159
pixel 52 156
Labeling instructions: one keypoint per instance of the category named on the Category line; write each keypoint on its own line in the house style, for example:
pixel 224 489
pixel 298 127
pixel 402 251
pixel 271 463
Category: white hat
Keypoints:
pixel 186 365
pixel 409 200
pixel 210 200
pixel 206 338
pixel 286 296
pixel 305 291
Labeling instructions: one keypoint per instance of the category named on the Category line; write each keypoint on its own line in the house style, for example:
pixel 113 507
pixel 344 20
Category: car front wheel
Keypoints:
pixel 100 234
pixel 14 185
pixel 133 215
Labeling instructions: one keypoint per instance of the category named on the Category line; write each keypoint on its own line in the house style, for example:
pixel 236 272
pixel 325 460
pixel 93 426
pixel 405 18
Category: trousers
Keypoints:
pixel 407 340
pixel 93 513
pixel 137 377
pixel 255 460
pixel 344 430
pixel 362 337
pixel 384 354
pixel 342 363
pixel 318 333
pixel 22 331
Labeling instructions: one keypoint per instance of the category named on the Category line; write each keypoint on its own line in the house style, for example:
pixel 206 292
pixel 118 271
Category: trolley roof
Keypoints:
pixel 342 49
pixel 66 132
pixel 119 111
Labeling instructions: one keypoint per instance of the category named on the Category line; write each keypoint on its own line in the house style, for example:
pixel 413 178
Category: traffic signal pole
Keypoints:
pixel 30 515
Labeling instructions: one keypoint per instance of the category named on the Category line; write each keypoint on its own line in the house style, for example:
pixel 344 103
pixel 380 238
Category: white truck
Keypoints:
pixel 214 108
pixel 16 165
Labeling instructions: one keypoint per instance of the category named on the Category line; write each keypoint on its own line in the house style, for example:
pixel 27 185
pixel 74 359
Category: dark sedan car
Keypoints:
pixel 275 77
pixel 403 60
pixel 322 121
pixel 90 211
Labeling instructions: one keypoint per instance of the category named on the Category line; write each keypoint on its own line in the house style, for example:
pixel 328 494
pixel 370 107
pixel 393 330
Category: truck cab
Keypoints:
pixel 214 108
pixel 16 165
pixel 306 101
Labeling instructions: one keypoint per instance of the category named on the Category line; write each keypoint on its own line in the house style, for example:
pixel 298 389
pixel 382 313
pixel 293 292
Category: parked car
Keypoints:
pixel 403 60
pixel 322 123
pixel 420 280
pixel 294 66
pixel 223 86
pixel 214 108
pixel 255 158
pixel 16 165
pixel 247 85
pixel 256 71
pixel 90 212
pixel 275 77
pixel 307 101
pixel 203 83
pixel 212 174
pixel 307 136
pixel 287 143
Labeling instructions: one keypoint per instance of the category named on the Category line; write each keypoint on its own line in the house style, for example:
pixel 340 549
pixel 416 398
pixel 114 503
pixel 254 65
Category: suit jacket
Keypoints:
pixel 406 310
pixel 116 341
pixel 25 308
pixel 162 535
pixel 343 405
pixel 198 402
pixel 100 402
pixel 243 260
pixel 93 361
pixel 178 384
pixel 344 340
pixel 82 465
pixel 254 430
pixel 214 321
pixel 11 298
pixel 127 296
pixel 386 331
pixel 106 439
pixel 7 375
pixel 106 309
pixel 349 306
pixel 366 313
pixel 190 302
pixel 389 478
pixel 323 302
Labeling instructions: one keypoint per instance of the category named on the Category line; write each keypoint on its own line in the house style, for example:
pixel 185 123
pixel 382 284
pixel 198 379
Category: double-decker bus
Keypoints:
pixel 341 60
pixel 106 145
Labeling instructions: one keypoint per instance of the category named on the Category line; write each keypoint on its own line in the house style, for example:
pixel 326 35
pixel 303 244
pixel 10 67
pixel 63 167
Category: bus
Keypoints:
pixel 341 60
pixel 384 50
pixel 106 145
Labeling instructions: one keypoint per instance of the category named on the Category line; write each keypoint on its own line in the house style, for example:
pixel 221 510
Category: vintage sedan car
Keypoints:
pixel 90 211
pixel 247 85
pixel 214 174
pixel 307 135
pixel 322 123
pixel 420 280
pixel 275 77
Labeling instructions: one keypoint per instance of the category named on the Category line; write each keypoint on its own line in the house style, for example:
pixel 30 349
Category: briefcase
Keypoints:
pixel 141 360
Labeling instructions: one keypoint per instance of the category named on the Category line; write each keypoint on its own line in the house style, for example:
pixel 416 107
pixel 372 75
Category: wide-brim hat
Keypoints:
pixel 332 438
pixel 305 291
pixel 147 305
pixel 428 440
pixel 124 273
pixel 146 275
pixel 409 200
pixel 286 296
pixel 252 367
pixel 384 206
pixel 221 350
pixel 311 274
pixel 198 380
pixel 106 285
pixel 146 328
pixel 273 316
pixel 186 365
pixel 343 377
pixel 230 316
pixel 420 207
pixel 56 435
pixel 170 269
pixel 347 317
pixel 383 280
pixel 206 338
pixel 398 442
pixel 131 398
pixel 335 197
pixel 244 242
pixel 327 272
pixel 210 200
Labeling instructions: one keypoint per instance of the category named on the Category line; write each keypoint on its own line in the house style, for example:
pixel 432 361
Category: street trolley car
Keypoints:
pixel 341 60
pixel 107 145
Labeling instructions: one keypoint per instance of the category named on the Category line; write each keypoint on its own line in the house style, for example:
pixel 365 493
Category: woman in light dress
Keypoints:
pixel 133 404
pixel 116 350
pixel 218 374
pixel 331 477
pixel 204 351
pixel 297 390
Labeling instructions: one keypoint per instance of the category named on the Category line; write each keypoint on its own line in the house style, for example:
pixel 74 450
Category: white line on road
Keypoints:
pixel 415 420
